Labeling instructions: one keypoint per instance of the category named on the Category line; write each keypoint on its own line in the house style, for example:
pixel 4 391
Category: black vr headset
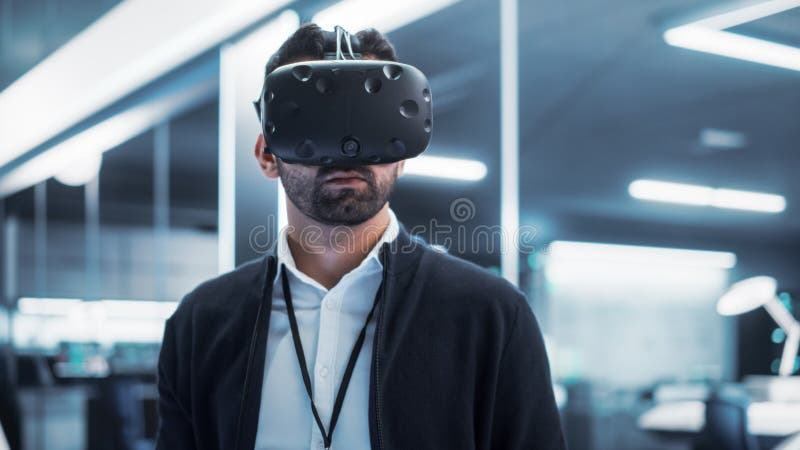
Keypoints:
pixel 345 111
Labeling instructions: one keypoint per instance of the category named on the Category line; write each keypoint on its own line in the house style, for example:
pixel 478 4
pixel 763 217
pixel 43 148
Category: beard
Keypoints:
pixel 336 205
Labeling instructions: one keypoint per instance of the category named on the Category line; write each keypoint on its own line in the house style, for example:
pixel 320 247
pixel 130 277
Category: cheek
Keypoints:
pixel 385 172
pixel 300 172
pixel 308 172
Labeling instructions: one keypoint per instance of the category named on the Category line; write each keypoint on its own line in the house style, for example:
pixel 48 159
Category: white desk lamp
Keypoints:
pixel 752 293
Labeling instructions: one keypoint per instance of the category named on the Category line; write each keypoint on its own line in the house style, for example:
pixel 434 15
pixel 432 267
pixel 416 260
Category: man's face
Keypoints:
pixel 338 195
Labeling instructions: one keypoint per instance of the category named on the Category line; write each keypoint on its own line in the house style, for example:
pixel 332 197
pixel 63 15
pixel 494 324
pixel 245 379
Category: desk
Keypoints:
pixel 764 418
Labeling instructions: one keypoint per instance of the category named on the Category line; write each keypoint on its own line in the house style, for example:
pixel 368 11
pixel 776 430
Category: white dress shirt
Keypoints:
pixel 329 322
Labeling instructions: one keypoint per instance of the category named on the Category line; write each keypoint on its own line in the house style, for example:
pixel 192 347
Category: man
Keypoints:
pixel 352 326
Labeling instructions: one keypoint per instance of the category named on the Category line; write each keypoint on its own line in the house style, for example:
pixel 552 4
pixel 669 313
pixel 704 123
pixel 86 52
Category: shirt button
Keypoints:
pixel 323 372
pixel 330 304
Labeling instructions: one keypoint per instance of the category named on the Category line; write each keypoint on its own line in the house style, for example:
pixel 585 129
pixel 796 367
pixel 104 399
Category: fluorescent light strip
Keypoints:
pixel 48 306
pixel 672 281
pixel 591 251
pixel 707 36
pixel 689 194
pixel 104 136
pixel 383 15
pixel 448 168
pixel 661 191
pixel 44 322
pixel 97 67
pixel 124 309
pixel 748 201
pixel 733 45
pixel 747 14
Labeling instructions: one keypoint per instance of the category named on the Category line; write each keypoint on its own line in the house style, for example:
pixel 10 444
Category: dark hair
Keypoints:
pixel 307 43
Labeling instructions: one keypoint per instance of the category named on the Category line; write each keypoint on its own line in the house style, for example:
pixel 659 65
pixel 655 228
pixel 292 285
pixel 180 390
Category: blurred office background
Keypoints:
pixel 649 150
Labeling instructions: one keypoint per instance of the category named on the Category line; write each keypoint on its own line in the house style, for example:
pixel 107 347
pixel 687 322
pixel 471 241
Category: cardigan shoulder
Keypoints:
pixel 226 291
pixel 464 279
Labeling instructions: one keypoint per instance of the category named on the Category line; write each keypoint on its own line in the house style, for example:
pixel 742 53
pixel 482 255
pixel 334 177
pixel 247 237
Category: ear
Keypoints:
pixel 401 167
pixel 266 160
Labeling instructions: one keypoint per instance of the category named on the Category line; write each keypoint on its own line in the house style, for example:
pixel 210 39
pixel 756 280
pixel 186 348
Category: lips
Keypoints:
pixel 343 176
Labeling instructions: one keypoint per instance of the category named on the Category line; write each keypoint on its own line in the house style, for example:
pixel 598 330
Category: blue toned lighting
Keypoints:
pixel 778 336
pixel 786 299
pixel 534 261
pixel 775 365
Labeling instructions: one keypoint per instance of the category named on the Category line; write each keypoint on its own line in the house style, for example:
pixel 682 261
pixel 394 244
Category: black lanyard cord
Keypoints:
pixel 301 359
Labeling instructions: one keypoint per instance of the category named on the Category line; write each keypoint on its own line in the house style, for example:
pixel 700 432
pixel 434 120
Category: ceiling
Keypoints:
pixel 32 29
pixel 608 102
pixel 603 101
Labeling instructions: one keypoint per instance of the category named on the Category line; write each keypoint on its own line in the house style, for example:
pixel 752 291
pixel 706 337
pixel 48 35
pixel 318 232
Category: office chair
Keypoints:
pixel 726 423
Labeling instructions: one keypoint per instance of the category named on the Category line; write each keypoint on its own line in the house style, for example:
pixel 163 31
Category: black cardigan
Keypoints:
pixel 458 360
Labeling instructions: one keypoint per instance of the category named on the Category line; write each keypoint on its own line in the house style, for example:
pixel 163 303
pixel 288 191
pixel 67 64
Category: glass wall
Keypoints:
pixel 634 149
pixel 101 256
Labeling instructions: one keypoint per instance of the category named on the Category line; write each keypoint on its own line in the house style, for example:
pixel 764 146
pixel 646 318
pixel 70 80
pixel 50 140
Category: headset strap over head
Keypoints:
pixel 340 44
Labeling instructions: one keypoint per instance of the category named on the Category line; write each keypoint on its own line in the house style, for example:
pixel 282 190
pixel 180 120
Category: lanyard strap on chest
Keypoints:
pixel 301 359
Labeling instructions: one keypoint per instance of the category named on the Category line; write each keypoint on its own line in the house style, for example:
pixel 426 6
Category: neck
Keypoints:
pixel 327 252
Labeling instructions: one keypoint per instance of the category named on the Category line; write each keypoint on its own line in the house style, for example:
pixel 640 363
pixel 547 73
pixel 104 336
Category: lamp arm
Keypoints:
pixel 781 315
pixel 791 327
pixel 790 351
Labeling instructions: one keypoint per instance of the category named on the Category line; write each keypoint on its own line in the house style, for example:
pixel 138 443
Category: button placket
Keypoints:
pixel 327 348
pixel 330 304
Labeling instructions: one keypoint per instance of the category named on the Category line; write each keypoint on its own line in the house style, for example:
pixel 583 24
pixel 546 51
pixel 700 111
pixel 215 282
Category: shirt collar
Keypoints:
pixel 284 254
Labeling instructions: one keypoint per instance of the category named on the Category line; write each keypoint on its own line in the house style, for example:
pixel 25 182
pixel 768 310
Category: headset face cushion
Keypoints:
pixel 349 112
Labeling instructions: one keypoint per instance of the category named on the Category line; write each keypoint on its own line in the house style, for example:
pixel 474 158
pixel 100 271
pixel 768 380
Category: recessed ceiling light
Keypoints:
pixel 716 138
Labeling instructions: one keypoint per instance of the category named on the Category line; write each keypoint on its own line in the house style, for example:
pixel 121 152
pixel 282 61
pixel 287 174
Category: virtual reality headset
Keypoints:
pixel 345 111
